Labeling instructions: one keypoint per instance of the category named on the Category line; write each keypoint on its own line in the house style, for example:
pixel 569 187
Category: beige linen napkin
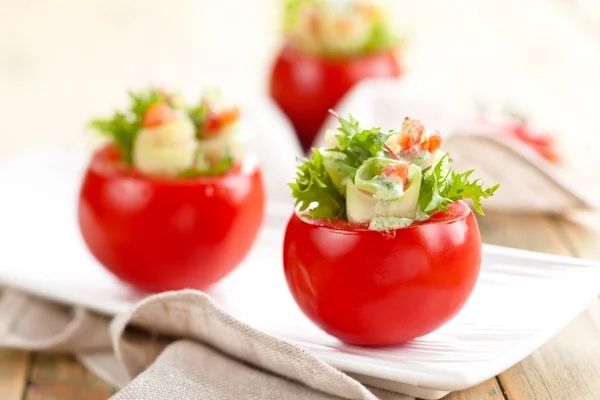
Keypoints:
pixel 182 346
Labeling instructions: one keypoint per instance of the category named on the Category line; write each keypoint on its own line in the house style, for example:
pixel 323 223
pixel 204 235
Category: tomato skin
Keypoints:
pixel 382 288
pixel 305 87
pixel 168 234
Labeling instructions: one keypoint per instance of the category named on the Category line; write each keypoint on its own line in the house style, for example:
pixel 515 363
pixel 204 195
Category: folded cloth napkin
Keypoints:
pixel 176 345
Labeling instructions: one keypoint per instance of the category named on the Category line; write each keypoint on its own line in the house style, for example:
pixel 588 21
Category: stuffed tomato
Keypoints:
pixel 382 249
pixel 173 201
pixel 329 48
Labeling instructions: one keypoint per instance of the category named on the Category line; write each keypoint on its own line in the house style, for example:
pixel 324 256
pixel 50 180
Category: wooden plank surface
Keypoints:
pixel 488 390
pixel 14 366
pixel 583 239
pixel 61 377
pixel 568 366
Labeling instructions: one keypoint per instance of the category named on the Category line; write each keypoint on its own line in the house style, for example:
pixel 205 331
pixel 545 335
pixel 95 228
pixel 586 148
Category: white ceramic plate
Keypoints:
pixel 42 253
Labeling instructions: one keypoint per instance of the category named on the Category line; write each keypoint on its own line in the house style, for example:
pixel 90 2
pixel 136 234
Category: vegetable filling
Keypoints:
pixel 338 28
pixel 159 134
pixel 383 179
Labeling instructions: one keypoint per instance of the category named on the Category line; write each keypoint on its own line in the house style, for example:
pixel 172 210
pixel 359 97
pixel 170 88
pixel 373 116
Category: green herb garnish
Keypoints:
pixel 291 11
pixel 358 145
pixel 315 191
pixel 382 37
pixel 440 188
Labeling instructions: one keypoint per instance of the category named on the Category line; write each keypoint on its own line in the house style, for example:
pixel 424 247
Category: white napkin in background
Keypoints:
pixel 385 102
pixel 528 183
pixel 205 353
pixel 276 145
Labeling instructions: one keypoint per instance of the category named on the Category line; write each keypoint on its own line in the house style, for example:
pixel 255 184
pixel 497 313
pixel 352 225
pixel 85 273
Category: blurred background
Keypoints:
pixel 65 60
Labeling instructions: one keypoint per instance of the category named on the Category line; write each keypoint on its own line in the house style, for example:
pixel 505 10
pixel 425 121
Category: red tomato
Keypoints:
pixel 382 288
pixel 168 234
pixel 305 86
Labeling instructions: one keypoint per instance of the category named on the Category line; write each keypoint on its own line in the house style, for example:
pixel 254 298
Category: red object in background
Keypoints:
pixel 383 288
pixel 162 234
pixel 306 86
pixel 542 144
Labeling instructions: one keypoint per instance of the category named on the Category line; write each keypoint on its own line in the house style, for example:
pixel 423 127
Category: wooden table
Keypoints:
pixel 567 367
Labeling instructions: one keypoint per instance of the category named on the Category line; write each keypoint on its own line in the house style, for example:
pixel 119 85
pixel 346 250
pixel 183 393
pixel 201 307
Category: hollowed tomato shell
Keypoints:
pixel 383 288
pixel 161 234
pixel 306 86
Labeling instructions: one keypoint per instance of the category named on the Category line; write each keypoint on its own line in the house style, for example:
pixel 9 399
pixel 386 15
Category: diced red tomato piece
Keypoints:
pixel 158 114
pixel 397 169
pixel 230 116
pixel 314 24
pixel 411 134
pixel 404 141
pixel 434 142
pixel 212 123
pixel 215 122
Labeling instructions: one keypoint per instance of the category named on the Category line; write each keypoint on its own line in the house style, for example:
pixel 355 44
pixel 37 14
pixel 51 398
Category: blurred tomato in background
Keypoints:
pixel 329 47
